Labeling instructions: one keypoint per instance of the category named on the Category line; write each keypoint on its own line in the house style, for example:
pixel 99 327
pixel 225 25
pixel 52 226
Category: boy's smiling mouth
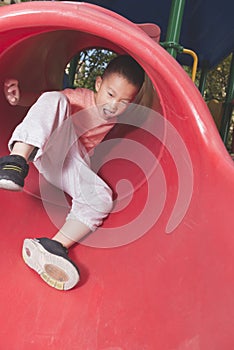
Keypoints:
pixel 108 113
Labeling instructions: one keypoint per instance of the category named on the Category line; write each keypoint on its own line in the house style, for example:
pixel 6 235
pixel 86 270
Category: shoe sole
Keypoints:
pixel 9 185
pixel 55 270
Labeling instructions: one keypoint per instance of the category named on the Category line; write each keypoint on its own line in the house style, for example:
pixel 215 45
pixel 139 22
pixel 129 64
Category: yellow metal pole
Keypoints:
pixel 195 62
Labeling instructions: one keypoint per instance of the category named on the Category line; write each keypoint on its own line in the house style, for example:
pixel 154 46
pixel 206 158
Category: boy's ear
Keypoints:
pixel 98 83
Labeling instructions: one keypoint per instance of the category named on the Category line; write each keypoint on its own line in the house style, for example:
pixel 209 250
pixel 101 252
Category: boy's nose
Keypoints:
pixel 114 106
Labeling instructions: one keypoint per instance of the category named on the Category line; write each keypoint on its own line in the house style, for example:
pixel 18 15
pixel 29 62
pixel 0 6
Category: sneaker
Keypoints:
pixel 50 260
pixel 13 170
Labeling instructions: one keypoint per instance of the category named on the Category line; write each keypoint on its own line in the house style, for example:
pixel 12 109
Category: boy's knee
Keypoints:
pixel 54 96
pixel 55 102
pixel 101 203
pixel 106 202
pixel 94 211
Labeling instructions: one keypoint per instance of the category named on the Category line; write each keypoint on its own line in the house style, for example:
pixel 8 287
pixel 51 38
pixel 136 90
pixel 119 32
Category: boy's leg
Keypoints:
pixel 71 228
pixel 91 202
pixel 89 207
pixel 47 114
pixel 31 134
pixel 22 149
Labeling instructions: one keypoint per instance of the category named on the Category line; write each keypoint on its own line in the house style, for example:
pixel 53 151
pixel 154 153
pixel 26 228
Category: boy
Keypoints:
pixel 91 197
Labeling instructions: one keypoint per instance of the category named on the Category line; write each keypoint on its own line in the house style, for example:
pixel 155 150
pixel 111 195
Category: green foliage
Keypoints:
pixel 90 64
pixel 216 88
pixel 216 82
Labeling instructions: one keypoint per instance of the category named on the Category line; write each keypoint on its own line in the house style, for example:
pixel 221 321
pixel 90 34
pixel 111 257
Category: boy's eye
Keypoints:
pixel 125 103
pixel 110 94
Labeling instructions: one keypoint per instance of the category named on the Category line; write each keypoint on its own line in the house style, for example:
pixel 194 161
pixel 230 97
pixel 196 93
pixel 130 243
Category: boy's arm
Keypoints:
pixel 14 96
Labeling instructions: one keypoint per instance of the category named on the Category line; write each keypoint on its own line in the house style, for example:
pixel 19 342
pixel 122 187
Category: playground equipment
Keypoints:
pixel 171 286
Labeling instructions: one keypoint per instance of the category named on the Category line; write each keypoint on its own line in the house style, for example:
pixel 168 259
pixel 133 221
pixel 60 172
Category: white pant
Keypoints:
pixel 62 160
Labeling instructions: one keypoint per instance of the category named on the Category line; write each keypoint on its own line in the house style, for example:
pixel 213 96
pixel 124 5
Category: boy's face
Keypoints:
pixel 113 94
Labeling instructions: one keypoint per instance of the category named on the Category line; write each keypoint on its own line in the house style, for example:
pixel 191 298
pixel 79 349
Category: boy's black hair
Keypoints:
pixel 127 67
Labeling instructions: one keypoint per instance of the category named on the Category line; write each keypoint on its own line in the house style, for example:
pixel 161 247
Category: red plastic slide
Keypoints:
pixel 159 274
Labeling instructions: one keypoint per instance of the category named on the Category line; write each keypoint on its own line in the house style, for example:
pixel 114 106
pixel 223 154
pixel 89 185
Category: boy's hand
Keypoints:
pixel 11 91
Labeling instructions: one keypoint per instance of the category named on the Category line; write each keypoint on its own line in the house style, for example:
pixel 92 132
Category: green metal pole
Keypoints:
pixel 225 123
pixel 72 69
pixel 203 78
pixel 174 26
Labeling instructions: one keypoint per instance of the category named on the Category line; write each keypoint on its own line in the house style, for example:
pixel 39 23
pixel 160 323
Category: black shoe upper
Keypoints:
pixel 14 168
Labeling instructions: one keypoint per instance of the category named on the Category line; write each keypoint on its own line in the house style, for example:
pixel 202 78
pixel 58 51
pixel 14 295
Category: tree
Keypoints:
pixel 89 64
pixel 217 81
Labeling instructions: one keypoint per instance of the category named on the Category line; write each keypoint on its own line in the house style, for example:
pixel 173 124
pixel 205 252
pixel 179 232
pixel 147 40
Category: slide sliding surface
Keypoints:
pixel 159 273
